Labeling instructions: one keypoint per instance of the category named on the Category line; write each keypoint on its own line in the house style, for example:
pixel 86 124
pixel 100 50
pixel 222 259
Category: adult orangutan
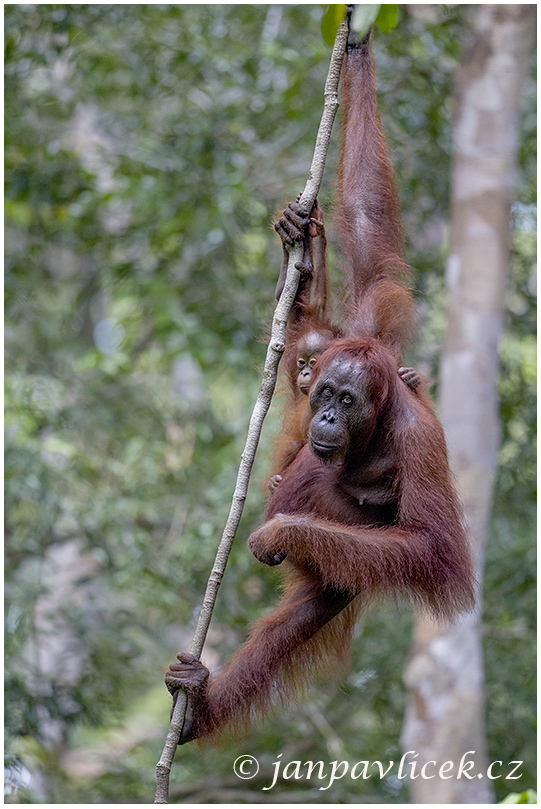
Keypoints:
pixel 366 508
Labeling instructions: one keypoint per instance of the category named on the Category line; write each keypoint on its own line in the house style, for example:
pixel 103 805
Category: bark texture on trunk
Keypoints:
pixel 445 713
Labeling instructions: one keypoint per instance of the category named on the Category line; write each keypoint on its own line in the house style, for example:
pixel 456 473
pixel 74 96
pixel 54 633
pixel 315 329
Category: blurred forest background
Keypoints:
pixel 147 147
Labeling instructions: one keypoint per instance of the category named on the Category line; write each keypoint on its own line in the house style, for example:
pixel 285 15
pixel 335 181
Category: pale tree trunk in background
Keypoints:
pixel 445 713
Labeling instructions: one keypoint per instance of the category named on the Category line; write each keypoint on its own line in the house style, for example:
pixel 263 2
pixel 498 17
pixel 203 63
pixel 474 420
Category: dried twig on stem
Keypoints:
pixel 268 383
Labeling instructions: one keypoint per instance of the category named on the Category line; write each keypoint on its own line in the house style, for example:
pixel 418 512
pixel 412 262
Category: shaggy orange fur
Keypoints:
pixel 366 508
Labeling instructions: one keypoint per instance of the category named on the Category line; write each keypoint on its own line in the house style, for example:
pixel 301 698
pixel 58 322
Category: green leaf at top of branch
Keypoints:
pixel 333 16
pixel 387 18
pixel 364 15
pixel 384 15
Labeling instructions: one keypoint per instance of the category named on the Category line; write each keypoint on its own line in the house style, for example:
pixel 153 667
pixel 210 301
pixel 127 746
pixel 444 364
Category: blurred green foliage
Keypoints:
pixel 146 149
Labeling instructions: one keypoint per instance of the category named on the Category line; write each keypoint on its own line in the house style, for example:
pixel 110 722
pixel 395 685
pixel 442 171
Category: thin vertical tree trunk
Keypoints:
pixel 445 713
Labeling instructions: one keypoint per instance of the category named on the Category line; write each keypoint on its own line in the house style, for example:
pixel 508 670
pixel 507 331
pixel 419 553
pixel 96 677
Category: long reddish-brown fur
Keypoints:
pixel 342 550
pixel 367 215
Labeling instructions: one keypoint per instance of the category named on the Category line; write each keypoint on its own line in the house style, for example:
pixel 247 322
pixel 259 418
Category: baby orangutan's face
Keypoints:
pixel 310 347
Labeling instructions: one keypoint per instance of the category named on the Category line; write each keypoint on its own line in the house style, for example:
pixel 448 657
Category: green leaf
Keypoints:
pixel 333 16
pixel 387 17
pixel 363 17
pixel 530 796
